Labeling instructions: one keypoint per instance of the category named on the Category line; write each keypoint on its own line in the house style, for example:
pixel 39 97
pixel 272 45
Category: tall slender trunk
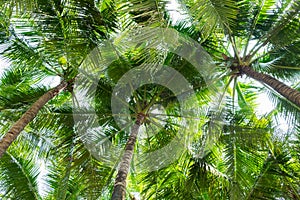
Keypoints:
pixel 119 191
pixel 28 116
pixel 289 93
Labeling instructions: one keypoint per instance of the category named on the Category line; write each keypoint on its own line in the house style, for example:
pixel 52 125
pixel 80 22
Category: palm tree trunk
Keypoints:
pixel 119 191
pixel 28 116
pixel 289 93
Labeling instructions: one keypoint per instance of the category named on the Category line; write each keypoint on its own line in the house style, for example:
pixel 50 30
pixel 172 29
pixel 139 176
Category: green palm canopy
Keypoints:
pixel 231 149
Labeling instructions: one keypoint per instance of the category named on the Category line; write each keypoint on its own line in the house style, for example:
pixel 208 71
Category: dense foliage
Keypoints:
pixel 237 151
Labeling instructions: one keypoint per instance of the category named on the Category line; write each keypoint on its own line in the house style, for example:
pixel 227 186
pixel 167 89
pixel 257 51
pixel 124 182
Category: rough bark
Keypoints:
pixel 119 192
pixel 27 117
pixel 289 93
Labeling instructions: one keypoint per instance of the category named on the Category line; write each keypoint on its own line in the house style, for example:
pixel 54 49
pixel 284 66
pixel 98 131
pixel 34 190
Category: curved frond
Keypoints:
pixel 18 177
pixel 212 14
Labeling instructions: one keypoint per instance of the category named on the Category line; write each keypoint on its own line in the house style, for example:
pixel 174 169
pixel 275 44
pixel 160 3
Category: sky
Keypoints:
pixel 3 65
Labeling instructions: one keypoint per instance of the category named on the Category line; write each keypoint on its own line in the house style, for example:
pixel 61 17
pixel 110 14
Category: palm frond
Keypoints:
pixel 276 171
pixel 286 24
pixel 285 108
pixel 19 177
pixel 212 14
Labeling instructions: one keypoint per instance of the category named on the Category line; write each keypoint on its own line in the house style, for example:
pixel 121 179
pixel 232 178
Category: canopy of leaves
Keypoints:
pixel 235 153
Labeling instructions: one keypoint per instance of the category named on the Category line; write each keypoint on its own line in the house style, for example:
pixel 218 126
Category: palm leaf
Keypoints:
pixel 19 177
pixel 211 14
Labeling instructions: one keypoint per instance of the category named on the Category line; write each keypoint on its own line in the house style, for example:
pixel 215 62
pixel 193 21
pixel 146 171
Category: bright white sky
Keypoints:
pixel 3 65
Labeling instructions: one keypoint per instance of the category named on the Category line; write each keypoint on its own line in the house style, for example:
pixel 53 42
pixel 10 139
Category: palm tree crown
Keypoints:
pixel 230 151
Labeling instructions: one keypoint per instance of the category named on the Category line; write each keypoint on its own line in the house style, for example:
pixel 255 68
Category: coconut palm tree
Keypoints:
pixel 42 41
pixel 77 31
pixel 228 26
pixel 245 156
pixel 28 116
pixel 56 41
pixel 259 39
